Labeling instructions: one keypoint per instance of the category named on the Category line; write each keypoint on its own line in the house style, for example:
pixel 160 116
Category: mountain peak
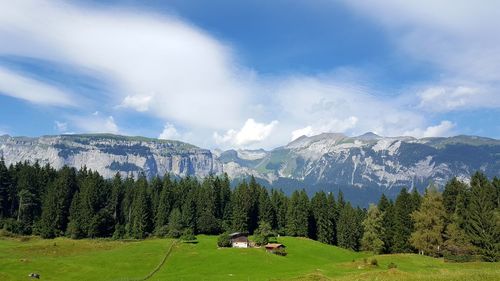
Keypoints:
pixel 369 136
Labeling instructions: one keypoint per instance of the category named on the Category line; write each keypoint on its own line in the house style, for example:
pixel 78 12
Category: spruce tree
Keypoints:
pixel 266 210
pixel 403 224
pixel 298 214
pixel 141 211
pixel 241 204
pixel 347 228
pixel 322 217
pixel 483 218
pixel 452 190
pixel 165 204
pixel 279 202
pixel 6 188
pixel 333 216
pixel 373 231
pixel 387 208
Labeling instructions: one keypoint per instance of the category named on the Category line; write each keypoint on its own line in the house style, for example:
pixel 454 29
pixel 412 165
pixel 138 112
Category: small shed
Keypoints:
pixel 273 247
pixel 239 240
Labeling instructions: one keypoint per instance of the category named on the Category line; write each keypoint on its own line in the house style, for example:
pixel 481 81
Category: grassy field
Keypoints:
pixel 65 259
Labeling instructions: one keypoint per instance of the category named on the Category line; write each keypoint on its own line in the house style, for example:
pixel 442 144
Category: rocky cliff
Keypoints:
pixel 109 154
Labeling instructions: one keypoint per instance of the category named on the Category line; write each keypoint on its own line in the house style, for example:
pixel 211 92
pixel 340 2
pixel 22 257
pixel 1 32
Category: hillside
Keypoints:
pixel 64 259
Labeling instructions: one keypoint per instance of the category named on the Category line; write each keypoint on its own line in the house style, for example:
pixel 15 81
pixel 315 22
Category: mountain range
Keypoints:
pixel 362 167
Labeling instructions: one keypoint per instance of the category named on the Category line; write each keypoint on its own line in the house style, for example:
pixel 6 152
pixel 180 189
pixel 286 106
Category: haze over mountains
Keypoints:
pixel 361 166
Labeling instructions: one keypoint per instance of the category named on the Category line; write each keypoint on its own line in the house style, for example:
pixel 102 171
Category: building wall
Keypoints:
pixel 240 245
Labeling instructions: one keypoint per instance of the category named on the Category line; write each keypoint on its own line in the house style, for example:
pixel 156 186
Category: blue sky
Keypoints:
pixel 250 74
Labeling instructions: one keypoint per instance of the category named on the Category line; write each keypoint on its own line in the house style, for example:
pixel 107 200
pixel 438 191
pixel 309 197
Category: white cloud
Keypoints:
pixel 306 131
pixel 329 126
pixel 140 103
pixel 95 123
pixel 169 132
pixel 444 129
pixel 446 98
pixel 15 85
pixel 197 83
pixel 251 132
pixel 459 38
pixel 61 126
pixel 190 72
pixel 326 105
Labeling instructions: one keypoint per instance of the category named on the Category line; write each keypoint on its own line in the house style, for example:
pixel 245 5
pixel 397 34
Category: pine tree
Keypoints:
pixel 175 224
pixel 387 208
pixel 333 216
pixel 496 184
pixel 165 204
pixel 55 211
pixel 322 218
pixel 154 193
pixel 403 224
pixel 483 218
pixel 298 214
pixel 279 202
pixel 240 203
pixel 75 228
pixel 347 228
pixel 429 222
pixel 266 210
pixel 207 202
pixel 373 231
pixel 6 188
pixel 452 190
pixel 141 211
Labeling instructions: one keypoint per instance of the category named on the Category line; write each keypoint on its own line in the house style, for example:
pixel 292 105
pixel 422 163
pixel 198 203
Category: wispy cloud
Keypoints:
pixel 164 67
pixel 458 38
pixel 18 86
pixel 94 123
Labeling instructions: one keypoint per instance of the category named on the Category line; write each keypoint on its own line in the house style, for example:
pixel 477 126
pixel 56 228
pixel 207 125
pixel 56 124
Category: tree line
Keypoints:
pixel 463 221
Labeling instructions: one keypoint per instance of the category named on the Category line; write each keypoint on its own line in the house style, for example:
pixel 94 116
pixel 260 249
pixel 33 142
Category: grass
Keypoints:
pixel 65 259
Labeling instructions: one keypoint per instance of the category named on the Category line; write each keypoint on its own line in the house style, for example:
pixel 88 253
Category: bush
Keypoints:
pixel 162 231
pixel 459 258
pixel 224 240
pixel 119 232
pixel 392 265
pixel 374 262
pixel 188 235
pixel 11 225
pixel 280 252
pixel 6 233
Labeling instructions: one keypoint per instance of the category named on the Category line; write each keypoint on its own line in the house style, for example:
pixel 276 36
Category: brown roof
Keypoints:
pixel 239 239
pixel 271 246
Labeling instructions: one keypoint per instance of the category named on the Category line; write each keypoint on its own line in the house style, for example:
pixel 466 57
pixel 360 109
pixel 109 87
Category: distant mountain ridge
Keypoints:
pixel 109 154
pixel 325 161
pixel 371 161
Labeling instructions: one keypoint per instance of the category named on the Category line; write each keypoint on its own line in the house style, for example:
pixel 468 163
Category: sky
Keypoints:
pixel 250 74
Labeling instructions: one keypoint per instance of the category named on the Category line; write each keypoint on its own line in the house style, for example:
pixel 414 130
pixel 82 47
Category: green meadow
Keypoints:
pixel 66 259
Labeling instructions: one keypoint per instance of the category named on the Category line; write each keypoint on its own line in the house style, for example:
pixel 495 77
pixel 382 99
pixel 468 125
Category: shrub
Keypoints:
pixel 392 265
pixel 6 233
pixel 162 231
pixel 224 240
pixel 188 235
pixel 280 252
pixel 119 232
pixel 374 262
pixel 11 225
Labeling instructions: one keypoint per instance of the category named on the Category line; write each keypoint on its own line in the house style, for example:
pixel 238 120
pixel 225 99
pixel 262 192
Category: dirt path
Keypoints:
pixel 158 267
